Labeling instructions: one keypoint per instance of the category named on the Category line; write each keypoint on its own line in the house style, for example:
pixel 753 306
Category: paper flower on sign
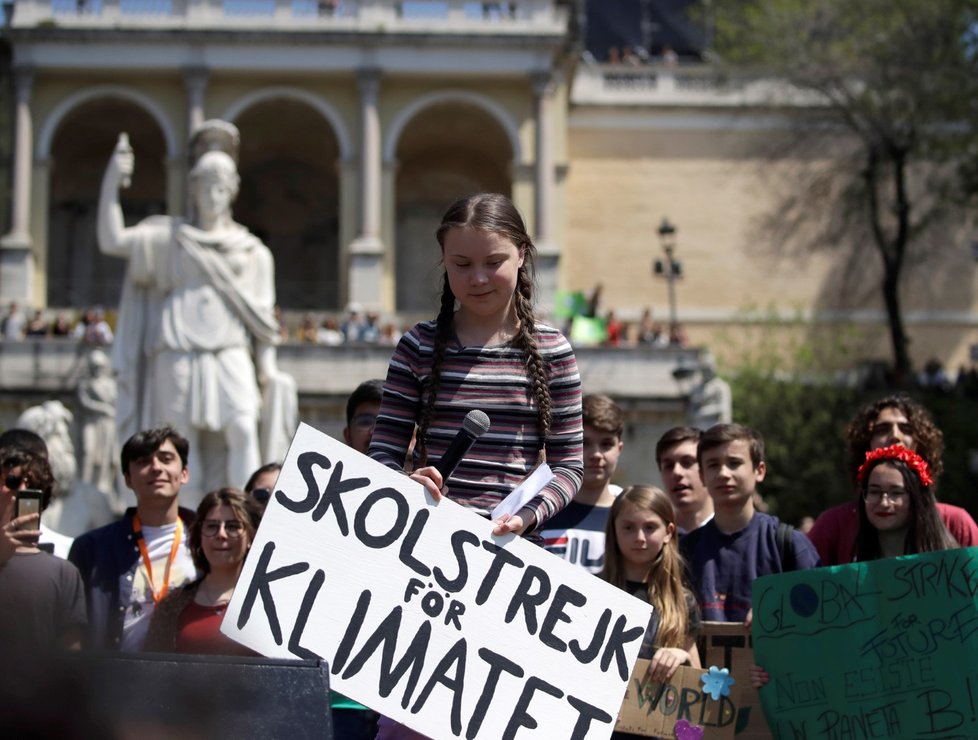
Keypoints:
pixel 685 731
pixel 717 682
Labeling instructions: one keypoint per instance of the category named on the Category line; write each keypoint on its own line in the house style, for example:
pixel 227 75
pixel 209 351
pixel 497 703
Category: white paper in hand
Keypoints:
pixel 530 487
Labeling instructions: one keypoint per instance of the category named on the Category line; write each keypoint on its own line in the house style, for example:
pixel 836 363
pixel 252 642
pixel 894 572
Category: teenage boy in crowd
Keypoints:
pixel 362 408
pixel 739 544
pixel 351 719
pixel 130 565
pixel 576 533
pixel 675 455
pixel 890 421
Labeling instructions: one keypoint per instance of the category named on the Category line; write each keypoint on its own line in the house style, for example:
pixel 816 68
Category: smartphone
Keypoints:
pixel 29 502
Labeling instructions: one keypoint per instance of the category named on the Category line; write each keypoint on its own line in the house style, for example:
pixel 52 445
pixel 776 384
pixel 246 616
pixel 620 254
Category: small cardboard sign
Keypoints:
pixel 654 709
pixel 425 615
pixel 729 645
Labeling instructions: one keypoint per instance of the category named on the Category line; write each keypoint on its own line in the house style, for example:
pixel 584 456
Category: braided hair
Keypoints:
pixel 494 213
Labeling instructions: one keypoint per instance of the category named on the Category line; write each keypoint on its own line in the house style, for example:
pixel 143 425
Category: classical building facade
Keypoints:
pixel 362 119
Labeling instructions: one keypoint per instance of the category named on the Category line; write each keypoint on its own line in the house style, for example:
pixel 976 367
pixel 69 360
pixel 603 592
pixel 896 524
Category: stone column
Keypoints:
pixel 16 256
pixel 195 78
pixel 544 186
pixel 367 250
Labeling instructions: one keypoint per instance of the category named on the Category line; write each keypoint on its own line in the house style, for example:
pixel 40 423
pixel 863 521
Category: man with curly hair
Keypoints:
pixel 892 420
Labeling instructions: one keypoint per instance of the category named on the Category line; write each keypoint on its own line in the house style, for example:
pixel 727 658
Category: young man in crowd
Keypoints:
pixel 891 420
pixel 130 565
pixel 362 408
pixel 352 719
pixel 42 600
pixel 577 532
pixel 675 456
pixel 739 544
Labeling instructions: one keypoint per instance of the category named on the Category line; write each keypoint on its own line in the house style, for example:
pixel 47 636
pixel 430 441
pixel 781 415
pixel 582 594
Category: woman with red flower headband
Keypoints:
pixel 898 513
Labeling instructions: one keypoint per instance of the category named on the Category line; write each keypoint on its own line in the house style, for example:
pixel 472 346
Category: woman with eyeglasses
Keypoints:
pixel 898 515
pixel 189 619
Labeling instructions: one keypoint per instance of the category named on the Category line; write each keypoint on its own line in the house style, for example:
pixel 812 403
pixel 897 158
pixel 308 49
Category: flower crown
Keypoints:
pixel 897 452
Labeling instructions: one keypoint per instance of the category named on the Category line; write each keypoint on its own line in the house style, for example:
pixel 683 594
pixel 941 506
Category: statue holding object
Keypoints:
pixel 195 344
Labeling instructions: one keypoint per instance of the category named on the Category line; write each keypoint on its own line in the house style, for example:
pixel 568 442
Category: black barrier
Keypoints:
pixel 117 695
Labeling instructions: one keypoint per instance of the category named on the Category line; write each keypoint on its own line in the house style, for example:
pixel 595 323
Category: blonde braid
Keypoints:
pixel 443 332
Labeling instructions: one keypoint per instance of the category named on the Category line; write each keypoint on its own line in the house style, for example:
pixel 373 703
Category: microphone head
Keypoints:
pixel 476 423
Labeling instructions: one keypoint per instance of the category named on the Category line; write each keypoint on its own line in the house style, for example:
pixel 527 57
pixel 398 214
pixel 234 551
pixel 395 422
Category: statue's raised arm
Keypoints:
pixel 118 174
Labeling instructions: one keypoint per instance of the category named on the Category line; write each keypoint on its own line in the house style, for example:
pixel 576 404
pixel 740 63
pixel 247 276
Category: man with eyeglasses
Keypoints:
pixel 130 565
pixel 362 408
pixel 351 719
pixel 892 420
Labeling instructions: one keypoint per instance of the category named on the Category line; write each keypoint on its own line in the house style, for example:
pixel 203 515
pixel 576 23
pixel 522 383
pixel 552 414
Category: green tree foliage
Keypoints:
pixel 790 385
pixel 893 84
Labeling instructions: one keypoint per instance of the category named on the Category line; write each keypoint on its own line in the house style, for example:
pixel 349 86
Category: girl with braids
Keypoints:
pixel 485 351
pixel 642 557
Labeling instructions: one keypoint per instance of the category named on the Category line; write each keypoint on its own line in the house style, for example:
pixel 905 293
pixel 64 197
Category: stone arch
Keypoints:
pixel 446 146
pixel 323 107
pixel 291 142
pixel 76 141
pixel 487 104
pixel 65 107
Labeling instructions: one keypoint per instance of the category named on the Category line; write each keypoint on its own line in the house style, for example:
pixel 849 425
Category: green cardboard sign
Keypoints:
pixel 568 304
pixel 887 648
pixel 587 331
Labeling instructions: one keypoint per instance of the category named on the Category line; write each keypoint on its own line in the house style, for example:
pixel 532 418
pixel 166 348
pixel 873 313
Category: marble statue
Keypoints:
pixel 711 400
pixel 76 506
pixel 96 425
pixel 195 343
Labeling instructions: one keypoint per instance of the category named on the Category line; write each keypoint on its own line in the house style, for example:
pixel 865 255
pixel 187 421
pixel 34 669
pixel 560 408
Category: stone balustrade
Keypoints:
pixel 53 366
pixel 384 16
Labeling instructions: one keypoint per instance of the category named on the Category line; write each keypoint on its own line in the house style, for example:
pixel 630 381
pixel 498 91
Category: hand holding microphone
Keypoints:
pixel 475 424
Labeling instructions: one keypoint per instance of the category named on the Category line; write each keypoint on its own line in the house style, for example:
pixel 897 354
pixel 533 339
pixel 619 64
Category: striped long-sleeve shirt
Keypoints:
pixel 495 380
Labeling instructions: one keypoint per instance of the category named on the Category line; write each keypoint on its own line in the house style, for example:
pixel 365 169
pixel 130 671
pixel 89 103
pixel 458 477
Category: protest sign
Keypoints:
pixel 422 613
pixel 654 709
pixel 887 648
pixel 728 645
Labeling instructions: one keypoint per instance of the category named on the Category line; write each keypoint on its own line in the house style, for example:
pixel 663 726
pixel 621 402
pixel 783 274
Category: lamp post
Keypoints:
pixel 670 268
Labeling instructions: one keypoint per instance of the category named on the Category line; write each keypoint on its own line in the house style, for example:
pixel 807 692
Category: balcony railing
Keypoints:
pixel 35 367
pixel 685 84
pixel 409 16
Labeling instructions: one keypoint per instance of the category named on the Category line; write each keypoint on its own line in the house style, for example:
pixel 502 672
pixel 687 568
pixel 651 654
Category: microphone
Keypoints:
pixel 474 425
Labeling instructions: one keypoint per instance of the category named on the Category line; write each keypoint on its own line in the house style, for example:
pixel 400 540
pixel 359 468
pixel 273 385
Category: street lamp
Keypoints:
pixel 670 268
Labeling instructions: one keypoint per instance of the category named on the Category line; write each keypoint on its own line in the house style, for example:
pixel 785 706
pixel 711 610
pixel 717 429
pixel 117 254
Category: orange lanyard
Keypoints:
pixel 137 529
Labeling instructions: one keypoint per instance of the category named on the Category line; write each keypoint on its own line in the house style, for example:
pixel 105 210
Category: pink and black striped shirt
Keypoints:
pixel 495 380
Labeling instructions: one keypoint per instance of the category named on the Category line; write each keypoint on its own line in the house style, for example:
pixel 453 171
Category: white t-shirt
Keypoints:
pixel 159 543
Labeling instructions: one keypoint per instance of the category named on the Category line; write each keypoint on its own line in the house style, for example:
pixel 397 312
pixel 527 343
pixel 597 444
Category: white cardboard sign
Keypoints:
pixel 422 613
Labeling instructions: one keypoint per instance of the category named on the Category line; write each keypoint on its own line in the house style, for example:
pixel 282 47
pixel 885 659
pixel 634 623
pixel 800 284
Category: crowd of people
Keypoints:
pixel 160 578
pixel 91 326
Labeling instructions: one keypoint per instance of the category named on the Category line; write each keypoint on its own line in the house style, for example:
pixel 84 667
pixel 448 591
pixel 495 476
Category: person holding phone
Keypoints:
pixel 42 600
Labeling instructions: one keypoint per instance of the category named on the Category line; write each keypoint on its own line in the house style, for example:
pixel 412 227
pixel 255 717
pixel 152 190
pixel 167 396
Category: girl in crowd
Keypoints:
pixel 486 351
pixel 189 619
pixel 642 557
pixel 897 513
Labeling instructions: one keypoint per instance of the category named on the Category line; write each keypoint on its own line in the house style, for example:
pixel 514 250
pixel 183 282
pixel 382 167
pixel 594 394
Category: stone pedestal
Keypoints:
pixel 16 270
